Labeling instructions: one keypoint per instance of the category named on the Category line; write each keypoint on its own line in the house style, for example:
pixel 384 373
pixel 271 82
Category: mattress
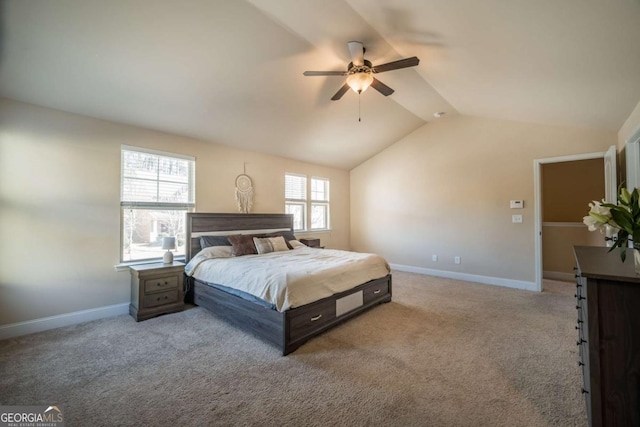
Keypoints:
pixel 293 278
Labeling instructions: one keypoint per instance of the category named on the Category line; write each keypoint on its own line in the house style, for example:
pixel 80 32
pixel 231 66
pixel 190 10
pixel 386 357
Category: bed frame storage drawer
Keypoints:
pixel 376 289
pixel 309 319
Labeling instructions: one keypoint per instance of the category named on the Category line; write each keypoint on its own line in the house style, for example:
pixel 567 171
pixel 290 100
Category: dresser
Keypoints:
pixel 156 289
pixel 608 326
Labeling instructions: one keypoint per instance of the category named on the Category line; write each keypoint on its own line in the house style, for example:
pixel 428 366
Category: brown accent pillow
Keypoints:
pixel 242 244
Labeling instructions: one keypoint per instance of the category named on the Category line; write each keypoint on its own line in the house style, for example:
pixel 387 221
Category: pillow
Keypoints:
pixel 242 244
pixel 296 244
pixel 263 246
pixel 278 244
pixel 216 252
pixel 206 241
pixel 288 236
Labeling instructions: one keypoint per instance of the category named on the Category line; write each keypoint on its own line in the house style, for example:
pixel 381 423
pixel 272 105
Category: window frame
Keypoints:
pixel 186 206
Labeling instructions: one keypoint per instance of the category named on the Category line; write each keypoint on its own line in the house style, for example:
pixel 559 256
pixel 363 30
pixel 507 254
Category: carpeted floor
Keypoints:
pixel 443 353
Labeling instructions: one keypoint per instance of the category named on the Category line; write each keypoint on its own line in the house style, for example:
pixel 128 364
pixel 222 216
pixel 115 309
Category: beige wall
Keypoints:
pixel 445 190
pixel 60 216
pixel 558 243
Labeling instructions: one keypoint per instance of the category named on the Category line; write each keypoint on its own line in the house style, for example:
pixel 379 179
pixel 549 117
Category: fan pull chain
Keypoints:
pixel 359 113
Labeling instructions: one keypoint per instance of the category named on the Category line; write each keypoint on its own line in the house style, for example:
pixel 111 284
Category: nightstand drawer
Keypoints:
pixel 160 284
pixel 161 298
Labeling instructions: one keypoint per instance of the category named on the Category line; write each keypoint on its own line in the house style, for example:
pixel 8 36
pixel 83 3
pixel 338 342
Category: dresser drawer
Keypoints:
pixel 162 283
pixel 160 298
pixel 309 319
pixel 375 290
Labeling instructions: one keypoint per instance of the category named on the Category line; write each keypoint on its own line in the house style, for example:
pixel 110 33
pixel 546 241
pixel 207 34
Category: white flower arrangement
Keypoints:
pixel 624 217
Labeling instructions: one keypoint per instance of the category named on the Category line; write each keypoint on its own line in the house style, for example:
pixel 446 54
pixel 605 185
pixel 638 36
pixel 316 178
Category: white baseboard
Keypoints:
pixel 52 322
pixel 487 280
pixel 559 275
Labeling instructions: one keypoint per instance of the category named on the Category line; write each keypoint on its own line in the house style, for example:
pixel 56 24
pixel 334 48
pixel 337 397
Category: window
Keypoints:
pixel 157 190
pixel 295 194
pixel 319 204
pixel 298 204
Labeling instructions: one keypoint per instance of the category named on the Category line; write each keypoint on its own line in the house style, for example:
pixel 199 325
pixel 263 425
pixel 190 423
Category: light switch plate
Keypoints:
pixel 516 219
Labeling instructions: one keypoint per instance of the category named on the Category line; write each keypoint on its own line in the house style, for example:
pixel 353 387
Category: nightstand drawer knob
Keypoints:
pixel 165 297
pixel 313 319
pixel 377 291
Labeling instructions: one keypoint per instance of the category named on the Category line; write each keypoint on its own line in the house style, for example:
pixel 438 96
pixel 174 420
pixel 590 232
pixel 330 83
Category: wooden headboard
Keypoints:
pixel 222 224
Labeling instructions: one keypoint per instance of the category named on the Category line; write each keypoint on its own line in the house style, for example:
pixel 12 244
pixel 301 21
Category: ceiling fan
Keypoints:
pixel 360 72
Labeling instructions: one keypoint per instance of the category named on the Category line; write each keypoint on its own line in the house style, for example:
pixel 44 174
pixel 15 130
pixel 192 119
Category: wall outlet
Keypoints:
pixel 456 259
pixel 516 219
pixel 434 258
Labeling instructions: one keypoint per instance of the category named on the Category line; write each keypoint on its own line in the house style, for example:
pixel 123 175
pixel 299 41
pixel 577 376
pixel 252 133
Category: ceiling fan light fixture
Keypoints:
pixel 359 81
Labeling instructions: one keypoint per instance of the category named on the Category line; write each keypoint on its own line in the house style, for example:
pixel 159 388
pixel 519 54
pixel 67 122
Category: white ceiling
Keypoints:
pixel 230 71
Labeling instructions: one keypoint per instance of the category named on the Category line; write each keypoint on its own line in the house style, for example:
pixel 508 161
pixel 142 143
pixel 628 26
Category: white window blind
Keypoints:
pixel 150 179
pixel 295 187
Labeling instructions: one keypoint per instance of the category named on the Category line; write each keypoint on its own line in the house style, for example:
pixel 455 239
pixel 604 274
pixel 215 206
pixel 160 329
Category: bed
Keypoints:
pixel 295 325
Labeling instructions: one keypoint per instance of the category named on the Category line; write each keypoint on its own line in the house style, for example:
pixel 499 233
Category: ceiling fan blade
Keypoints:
pixel 325 73
pixel 381 87
pixel 340 92
pixel 402 63
pixel 356 50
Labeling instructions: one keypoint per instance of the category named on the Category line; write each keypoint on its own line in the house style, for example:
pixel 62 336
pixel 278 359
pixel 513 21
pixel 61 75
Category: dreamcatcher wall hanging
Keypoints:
pixel 244 193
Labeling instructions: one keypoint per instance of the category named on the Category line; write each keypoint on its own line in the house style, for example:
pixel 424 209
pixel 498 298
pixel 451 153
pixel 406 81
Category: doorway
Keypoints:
pixel 557 231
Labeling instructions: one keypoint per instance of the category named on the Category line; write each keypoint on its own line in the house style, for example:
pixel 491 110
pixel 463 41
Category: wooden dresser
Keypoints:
pixel 156 289
pixel 608 304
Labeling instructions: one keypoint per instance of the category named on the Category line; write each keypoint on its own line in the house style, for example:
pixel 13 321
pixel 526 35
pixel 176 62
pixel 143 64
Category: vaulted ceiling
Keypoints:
pixel 230 71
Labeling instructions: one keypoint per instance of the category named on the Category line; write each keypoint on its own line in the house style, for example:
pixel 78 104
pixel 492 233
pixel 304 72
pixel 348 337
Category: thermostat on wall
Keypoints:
pixel 517 204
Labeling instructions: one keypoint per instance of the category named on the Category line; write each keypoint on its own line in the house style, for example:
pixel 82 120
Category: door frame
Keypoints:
pixel 537 180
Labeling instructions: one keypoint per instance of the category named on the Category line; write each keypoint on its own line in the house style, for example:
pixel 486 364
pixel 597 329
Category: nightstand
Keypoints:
pixel 156 289
pixel 312 243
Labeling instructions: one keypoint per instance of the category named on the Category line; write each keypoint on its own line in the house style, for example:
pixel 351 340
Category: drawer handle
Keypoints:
pixel 580 341
pixel 165 297
pixel 580 363
pixel 584 391
pixel 377 291
pixel 313 319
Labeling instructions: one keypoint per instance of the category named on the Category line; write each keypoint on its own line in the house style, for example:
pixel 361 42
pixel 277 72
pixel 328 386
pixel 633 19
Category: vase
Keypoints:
pixel 636 261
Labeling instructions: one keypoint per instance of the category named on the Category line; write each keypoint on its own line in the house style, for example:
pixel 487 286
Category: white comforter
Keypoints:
pixel 289 279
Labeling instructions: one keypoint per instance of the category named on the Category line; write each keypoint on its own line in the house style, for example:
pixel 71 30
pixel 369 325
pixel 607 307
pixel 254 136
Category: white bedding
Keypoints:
pixel 289 279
